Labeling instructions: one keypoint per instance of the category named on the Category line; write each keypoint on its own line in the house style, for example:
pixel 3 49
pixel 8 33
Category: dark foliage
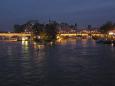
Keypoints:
pixel 107 27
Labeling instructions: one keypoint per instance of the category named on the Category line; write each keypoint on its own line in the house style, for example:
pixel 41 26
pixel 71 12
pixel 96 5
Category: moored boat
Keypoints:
pixel 104 41
pixel 113 42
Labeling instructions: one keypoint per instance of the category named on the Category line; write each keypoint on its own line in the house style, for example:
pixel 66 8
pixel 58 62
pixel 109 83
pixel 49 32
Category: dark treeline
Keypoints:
pixel 47 32
pixel 40 32
pixel 105 28
pixel 36 27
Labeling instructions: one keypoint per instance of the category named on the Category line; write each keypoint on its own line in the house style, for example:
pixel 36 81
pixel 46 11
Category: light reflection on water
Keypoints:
pixel 69 63
pixel 9 50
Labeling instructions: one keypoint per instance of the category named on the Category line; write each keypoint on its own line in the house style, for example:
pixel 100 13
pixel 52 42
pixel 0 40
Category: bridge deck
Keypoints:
pixel 14 34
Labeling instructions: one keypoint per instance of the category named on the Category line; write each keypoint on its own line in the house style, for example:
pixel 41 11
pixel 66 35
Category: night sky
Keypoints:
pixel 83 12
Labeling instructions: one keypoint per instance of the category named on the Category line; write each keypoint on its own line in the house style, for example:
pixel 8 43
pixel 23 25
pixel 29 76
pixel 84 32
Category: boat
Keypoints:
pixel 104 41
pixel 108 42
pixel 113 42
pixel 100 41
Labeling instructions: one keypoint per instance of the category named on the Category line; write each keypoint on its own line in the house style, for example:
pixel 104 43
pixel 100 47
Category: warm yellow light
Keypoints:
pixel 25 43
pixel 24 38
pixel 111 33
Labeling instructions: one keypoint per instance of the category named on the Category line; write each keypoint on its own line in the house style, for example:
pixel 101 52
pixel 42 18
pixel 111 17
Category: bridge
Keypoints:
pixel 74 35
pixel 28 36
pixel 14 36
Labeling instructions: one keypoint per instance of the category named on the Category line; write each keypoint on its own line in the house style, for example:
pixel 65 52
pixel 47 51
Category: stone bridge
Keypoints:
pixel 16 36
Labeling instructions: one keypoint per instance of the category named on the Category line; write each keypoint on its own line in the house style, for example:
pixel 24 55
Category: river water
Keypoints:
pixel 69 63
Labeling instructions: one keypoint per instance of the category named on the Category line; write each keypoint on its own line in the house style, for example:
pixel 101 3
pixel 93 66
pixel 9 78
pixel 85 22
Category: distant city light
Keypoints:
pixel 111 33
pixel 24 38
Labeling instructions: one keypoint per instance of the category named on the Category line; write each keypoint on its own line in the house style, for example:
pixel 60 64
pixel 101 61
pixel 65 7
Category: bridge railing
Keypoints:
pixel 14 34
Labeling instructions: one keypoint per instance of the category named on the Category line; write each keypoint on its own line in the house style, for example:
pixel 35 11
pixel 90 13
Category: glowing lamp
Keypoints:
pixel 111 33
pixel 24 38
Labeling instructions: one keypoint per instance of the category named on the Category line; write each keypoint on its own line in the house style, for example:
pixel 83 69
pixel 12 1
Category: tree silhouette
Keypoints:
pixel 107 27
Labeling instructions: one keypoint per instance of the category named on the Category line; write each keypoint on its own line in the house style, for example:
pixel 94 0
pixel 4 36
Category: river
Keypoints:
pixel 68 63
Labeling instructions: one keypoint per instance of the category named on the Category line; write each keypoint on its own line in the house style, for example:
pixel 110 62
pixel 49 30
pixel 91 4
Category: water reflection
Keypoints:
pixel 94 43
pixel 25 43
pixel 71 62
pixel 34 67
pixel 38 46
pixel 39 52
pixel 67 41
pixel 9 50
pixel 84 42
pixel 25 46
pixel 25 49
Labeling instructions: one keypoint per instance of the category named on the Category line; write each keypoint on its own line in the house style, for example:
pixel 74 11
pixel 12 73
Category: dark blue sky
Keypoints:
pixel 84 12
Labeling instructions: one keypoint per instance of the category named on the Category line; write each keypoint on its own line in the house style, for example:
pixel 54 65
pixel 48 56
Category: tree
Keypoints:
pixel 107 27
pixel 51 31
pixel 76 26
pixel 40 32
pixel 89 27
pixel 18 28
